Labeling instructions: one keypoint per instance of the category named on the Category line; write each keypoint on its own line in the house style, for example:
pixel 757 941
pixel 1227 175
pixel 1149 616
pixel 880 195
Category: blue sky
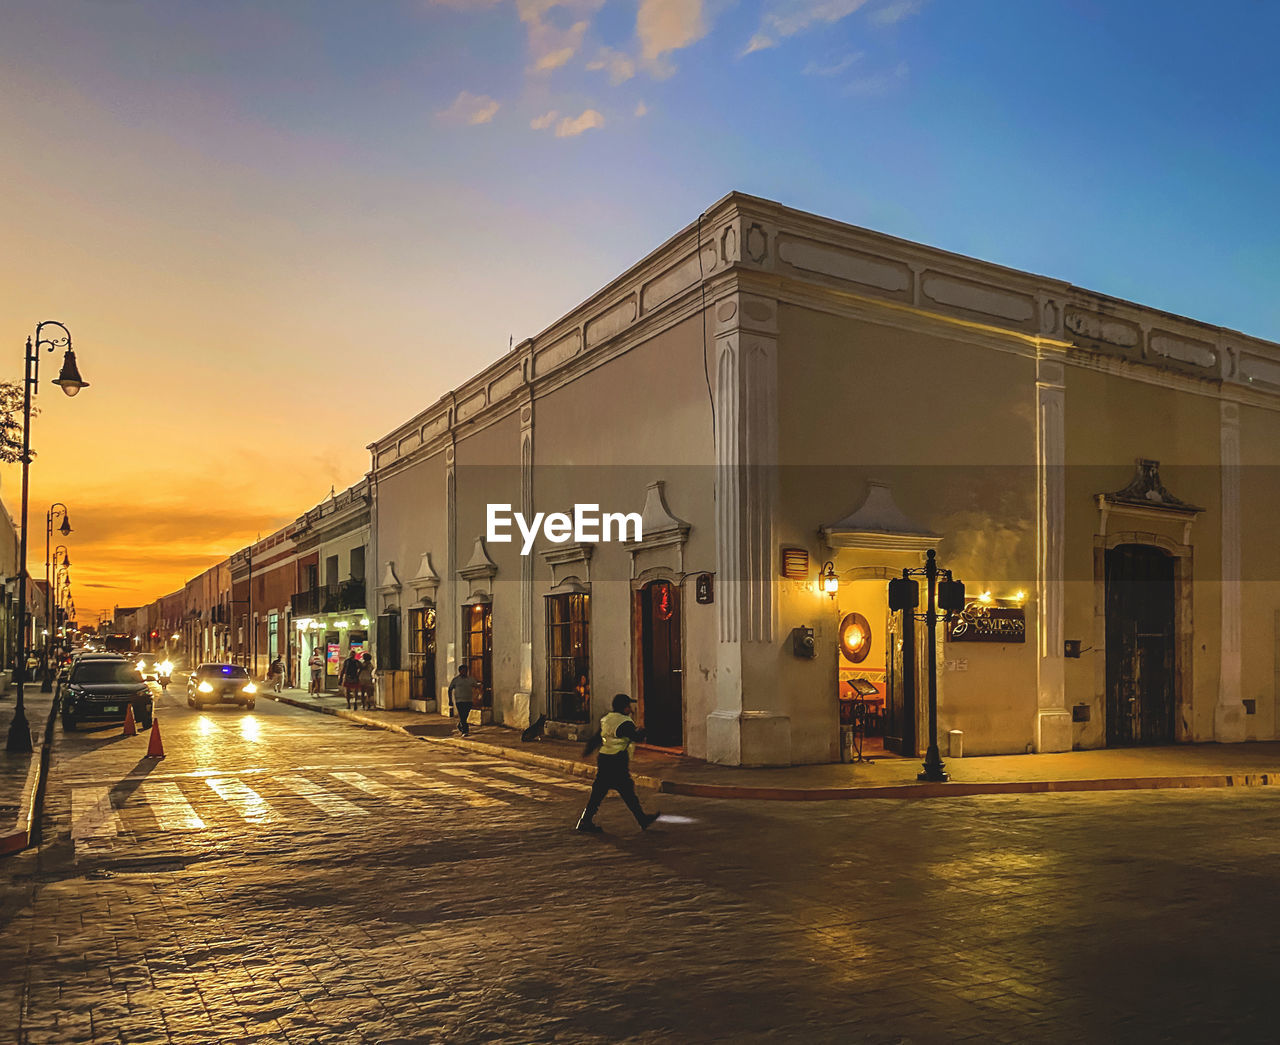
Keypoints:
pixel 335 212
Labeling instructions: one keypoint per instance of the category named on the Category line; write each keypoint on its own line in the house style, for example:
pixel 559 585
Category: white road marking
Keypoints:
pixel 544 778
pixel 243 799
pixel 92 815
pixel 330 803
pixel 496 784
pixel 372 787
pixel 170 807
pixel 466 794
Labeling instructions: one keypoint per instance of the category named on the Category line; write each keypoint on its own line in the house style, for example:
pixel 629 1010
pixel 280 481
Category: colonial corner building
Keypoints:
pixel 799 410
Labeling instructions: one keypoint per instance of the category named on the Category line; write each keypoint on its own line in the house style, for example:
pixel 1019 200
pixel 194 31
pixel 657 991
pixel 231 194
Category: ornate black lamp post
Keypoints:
pixel 69 381
pixel 61 595
pixel 948 596
pixel 46 686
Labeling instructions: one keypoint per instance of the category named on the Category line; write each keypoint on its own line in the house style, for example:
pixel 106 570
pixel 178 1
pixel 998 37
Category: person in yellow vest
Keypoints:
pixel 617 738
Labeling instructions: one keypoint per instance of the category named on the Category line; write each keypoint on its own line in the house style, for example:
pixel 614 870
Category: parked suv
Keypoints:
pixel 102 690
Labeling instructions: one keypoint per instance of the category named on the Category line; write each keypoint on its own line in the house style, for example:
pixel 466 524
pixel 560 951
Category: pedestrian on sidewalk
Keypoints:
pixel 316 664
pixel 351 680
pixel 462 691
pixel 366 682
pixel 616 740
pixel 275 674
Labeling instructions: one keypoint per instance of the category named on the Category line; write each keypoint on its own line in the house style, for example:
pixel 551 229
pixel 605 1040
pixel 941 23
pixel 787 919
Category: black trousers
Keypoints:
pixel 613 773
pixel 464 711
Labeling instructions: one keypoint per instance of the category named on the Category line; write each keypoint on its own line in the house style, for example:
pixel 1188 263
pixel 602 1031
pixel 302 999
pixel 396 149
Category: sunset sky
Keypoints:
pixel 278 228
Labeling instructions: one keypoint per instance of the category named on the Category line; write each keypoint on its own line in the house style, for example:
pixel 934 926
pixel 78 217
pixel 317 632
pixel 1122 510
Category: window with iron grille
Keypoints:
pixel 422 653
pixel 569 658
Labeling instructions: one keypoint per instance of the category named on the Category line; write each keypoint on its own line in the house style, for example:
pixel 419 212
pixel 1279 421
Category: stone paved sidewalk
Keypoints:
pixel 888 776
pixel 20 773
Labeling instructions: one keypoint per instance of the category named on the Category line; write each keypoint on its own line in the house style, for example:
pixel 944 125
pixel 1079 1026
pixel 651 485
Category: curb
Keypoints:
pixel 822 794
pixel 568 767
pixel 32 798
pixel 965 790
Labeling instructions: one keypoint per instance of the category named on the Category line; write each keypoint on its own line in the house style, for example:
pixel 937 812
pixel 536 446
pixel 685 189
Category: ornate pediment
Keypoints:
pixel 426 581
pixel 878 523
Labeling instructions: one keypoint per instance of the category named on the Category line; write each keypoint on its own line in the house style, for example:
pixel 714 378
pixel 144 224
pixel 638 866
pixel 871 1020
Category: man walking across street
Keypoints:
pixel 617 738
pixel 462 691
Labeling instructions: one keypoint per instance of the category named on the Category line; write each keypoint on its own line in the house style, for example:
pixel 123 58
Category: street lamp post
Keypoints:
pixel 19 739
pixel 945 596
pixel 46 686
pixel 61 595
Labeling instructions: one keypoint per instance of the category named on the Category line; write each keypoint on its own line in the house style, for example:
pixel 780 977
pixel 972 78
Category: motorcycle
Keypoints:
pixel 164 675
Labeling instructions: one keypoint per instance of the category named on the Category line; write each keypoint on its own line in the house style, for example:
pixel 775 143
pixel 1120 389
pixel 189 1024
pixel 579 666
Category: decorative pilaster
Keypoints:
pixel 745 728
pixel 1228 716
pixel 451 614
pixel 523 697
pixel 1053 720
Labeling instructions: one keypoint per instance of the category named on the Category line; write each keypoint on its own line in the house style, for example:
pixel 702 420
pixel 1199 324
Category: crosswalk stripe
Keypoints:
pixel 376 788
pixel 170 807
pixel 495 783
pixel 543 778
pixel 327 801
pixel 92 815
pixel 243 799
pixel 466 794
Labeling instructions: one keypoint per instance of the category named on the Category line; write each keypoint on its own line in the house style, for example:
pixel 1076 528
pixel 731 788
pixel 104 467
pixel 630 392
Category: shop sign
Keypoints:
pixel 978 623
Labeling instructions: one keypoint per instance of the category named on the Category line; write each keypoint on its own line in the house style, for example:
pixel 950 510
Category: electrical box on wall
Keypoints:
pixel 802 643
pixel 1071 648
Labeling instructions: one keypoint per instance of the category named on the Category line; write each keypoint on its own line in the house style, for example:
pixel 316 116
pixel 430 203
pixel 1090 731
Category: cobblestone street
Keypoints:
pixel 286 877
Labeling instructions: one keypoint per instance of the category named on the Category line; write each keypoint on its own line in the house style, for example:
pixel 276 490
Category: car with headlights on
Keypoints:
pixel 102 690
pixel 221 684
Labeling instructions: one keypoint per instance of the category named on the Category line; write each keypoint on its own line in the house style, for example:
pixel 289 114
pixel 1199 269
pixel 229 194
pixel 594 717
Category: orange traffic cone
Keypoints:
pixel 155 749
pixel 130 727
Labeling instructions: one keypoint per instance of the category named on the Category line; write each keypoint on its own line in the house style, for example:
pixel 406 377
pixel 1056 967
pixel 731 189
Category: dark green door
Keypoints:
pixel 1140 646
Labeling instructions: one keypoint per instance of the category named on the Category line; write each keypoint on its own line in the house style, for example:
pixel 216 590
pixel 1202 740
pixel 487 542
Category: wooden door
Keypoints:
pixel 1140 646
pixel 900 689
pixel 661 664
pixel 477 648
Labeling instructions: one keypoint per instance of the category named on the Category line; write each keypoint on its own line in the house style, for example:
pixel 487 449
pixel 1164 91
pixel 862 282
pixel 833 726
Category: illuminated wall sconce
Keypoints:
pixel 342 624
pixel 364 622
pixel 829 582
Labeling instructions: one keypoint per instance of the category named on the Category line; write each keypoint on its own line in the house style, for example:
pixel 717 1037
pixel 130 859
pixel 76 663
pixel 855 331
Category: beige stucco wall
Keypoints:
pixel 410 518
pixel 949 424
pixel 1111 421
pixel 601 439
pixel 1260 568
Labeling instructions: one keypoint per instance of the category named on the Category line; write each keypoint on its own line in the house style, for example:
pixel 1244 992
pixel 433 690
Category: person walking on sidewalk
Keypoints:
pixel 616 739
pixel 316 664
pixel 351 680
pixel 462 691
pixel 275 674
pixel 366 682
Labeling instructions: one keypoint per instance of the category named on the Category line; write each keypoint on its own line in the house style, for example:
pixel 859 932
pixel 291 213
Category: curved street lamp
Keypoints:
pixel 55 509
pixel 69 380
pixel 61 591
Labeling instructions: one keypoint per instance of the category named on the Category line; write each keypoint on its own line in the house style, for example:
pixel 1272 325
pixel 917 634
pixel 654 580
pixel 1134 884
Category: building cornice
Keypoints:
pixel 820 262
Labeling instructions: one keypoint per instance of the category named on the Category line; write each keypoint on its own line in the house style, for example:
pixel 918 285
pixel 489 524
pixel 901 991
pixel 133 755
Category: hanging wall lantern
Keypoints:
pixel 829 581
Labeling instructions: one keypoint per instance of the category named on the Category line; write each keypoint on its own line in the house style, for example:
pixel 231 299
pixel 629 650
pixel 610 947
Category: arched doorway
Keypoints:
pixel 1141 646
pixel 661 663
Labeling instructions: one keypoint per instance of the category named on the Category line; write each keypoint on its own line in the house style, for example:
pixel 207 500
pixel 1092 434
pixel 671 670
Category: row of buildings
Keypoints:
pixel 797 410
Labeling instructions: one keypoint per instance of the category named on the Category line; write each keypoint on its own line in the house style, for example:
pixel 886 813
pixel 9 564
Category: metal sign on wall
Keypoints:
pixel 978 623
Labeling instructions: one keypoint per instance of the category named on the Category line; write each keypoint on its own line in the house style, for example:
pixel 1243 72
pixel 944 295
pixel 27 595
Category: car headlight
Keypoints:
pixel 204 687
pixel 250 688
